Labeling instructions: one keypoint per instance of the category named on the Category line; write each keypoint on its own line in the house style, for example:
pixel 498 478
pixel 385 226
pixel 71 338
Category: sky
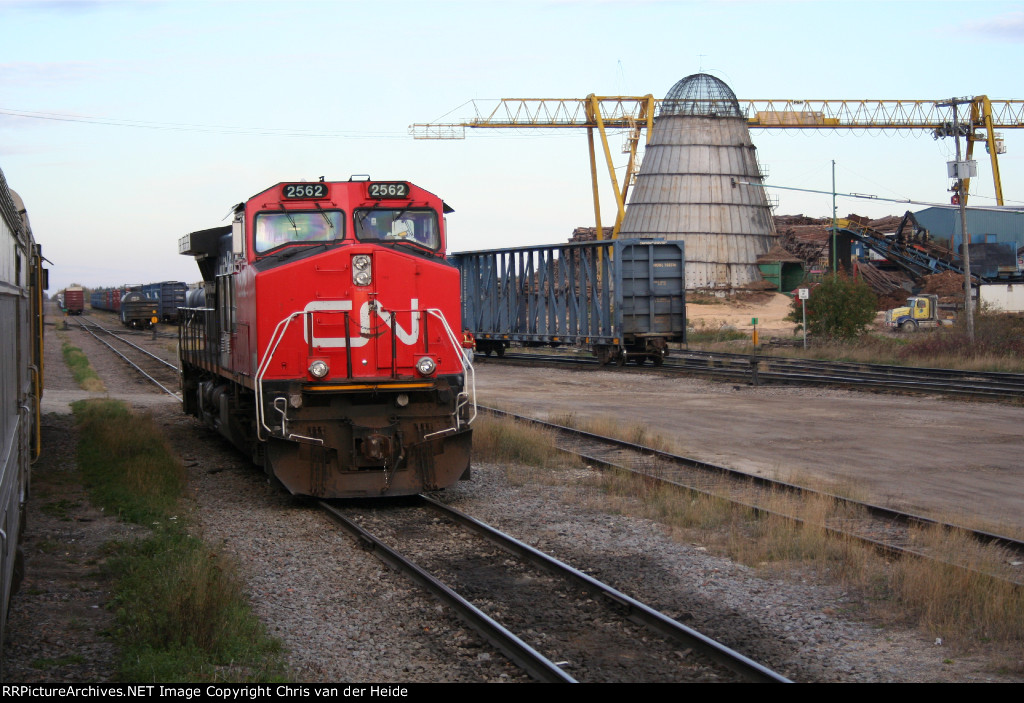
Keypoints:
pixel 125 125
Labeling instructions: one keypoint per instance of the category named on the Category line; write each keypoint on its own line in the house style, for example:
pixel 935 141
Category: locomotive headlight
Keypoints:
pixel 401 400
pixel 319 368
pixel 426 366
pixel 362 273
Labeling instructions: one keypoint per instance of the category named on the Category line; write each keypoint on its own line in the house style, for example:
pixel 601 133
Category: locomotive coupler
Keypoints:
pixel 377 446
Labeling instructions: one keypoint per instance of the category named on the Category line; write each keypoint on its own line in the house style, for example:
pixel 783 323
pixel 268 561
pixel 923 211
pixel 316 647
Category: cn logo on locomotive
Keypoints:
pixel 366 328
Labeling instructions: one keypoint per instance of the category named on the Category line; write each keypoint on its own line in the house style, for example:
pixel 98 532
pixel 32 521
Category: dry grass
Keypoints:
pixel 967 611
pixel 617 429
pixel 702 333
pixel 957 603
pixel 997 347
pixel 527 451
pixel 877 349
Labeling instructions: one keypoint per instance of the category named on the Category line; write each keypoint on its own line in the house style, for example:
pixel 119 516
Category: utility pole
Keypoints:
pixel 959 169
pixel 835 255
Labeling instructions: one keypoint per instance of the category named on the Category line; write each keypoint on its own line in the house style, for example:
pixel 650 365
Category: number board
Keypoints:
pixel 304 191
pixel 388 191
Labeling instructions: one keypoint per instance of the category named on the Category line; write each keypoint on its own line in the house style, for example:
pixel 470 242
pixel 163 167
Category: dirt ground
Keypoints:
pixel 953 459
pixel 59 622
pixel 770 309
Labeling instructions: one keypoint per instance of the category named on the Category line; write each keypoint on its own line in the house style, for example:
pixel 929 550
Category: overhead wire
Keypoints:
pixel 211 129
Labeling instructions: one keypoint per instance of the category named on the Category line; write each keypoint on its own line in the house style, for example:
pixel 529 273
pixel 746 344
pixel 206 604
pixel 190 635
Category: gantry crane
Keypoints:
pixel 636 114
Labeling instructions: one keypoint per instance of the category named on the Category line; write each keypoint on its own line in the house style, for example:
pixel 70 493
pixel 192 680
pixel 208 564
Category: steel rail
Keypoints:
pixel 983 537
pixel 912 382
pixel 136 347
pixel 130 362
pixel 739 367
pixel 101 313
pixel 523 655
pixel 1011 380
pixel 637 612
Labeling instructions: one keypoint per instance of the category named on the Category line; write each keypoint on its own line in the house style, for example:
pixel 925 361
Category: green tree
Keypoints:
pixel 839 308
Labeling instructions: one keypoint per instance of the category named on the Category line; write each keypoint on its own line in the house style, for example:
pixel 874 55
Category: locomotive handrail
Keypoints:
pixel 467 369
pixel 275 340
pixel 281 329
pixel 37 433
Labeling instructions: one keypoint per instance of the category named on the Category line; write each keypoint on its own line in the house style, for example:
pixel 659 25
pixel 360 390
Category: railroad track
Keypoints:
pixel 758 369
pixel 578 628
pixel 890 531
pixel 135 356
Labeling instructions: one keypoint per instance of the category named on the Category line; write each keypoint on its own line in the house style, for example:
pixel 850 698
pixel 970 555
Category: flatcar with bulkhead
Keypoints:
pixel 624 299
pixel 327 346
pixel 22 282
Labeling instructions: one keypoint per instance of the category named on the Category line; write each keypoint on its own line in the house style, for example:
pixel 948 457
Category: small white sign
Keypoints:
pixel 805 293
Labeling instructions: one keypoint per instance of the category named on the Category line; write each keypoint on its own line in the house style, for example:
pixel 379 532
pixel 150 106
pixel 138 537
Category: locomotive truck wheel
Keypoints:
pixel 658 360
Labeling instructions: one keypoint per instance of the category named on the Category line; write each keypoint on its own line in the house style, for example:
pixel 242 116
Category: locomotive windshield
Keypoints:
pixel 275 229
pixel 414 226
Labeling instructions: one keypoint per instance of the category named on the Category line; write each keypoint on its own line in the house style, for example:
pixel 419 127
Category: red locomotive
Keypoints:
pixel 327 344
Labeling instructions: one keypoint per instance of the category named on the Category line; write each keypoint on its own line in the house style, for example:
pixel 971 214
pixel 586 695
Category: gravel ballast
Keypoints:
pixel 345 617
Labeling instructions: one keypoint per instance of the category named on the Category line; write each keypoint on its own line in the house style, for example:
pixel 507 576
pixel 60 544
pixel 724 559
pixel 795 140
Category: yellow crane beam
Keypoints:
pixel 636 113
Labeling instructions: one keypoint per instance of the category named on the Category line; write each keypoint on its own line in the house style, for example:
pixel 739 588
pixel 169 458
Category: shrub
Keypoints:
pixel 839 308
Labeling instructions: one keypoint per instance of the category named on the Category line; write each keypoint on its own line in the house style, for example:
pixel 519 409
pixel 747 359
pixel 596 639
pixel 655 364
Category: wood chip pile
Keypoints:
pixel 949 286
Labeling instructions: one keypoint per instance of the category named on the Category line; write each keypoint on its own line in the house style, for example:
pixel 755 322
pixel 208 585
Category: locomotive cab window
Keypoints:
pixel 276 229
pixel 414 226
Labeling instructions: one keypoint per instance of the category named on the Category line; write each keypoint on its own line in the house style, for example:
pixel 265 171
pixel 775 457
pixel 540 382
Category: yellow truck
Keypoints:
pixel 920 311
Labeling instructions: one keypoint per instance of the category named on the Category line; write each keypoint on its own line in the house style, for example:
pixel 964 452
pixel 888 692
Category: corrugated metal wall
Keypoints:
pixel 684 192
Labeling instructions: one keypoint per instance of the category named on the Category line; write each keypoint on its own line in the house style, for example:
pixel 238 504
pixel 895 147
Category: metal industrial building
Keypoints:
pixel 991 225
pixel 686 190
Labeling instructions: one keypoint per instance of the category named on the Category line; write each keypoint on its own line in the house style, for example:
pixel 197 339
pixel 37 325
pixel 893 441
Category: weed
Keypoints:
pixel 181 615
pixel 706 334
pixel 126 462
pixel 967 607
pixel 47 663
pixel 999 346
pixel 511 441
pixel 84 374
pixel 179 609
pixel 59 509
